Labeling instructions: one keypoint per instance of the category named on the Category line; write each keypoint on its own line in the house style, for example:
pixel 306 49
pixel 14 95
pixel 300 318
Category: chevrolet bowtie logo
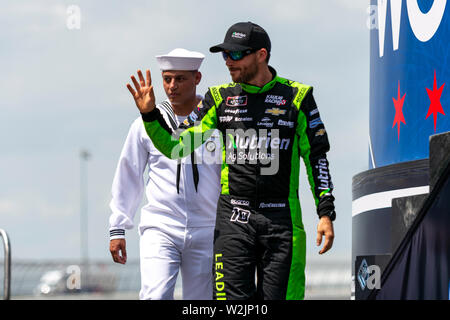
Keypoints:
pixel 275 111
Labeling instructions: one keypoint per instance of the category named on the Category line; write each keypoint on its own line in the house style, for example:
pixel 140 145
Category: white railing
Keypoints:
pixel 7 276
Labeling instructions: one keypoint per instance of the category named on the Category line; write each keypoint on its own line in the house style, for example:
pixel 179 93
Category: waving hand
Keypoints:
pixel 143 94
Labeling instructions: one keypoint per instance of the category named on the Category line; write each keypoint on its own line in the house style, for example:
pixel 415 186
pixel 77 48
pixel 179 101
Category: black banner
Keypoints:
pixel 420 267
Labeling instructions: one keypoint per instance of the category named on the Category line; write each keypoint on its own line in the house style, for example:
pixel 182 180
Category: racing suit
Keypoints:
pixel 264 131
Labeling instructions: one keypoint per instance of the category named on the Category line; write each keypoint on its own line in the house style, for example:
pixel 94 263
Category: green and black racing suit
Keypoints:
pixel 259 225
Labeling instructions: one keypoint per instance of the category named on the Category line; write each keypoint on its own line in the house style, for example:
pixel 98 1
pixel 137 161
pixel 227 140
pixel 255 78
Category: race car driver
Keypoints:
pixel 267 122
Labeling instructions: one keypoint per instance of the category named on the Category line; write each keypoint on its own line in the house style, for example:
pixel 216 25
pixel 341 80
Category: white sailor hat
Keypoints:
pixel 180 59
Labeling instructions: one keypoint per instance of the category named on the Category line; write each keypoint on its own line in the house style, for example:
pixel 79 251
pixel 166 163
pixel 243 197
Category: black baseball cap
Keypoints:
pixel 243 36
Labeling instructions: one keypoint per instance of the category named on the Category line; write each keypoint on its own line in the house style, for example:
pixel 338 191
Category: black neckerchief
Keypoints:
pixel 171 115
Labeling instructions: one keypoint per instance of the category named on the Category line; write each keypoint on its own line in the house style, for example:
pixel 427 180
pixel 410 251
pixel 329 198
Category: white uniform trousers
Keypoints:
pixel 166 250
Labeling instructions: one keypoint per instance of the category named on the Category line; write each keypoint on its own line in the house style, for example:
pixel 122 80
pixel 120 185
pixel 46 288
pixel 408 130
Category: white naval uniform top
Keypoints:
pixel 165 207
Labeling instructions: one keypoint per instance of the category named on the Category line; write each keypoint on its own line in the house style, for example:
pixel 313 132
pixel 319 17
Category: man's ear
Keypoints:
pixel 198 77
pixel 262 55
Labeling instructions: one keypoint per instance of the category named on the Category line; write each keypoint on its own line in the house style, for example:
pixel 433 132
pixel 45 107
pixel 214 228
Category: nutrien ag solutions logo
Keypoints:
pixel 249 146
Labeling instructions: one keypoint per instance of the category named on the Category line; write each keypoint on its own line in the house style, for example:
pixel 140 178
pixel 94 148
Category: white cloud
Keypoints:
pixel 8 207
pixel 15 208
pixel 353 4
pixel 33 16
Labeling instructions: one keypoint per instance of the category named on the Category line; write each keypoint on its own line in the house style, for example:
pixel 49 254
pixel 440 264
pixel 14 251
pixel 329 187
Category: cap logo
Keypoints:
pixel 238 35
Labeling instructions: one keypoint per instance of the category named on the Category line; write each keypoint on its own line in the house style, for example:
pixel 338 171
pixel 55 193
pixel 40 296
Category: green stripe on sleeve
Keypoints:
pixel 190 139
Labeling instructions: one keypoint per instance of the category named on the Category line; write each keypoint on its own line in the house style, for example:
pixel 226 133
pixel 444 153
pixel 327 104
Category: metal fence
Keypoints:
pixel 328 280
pixel 42 279
pixel 108 280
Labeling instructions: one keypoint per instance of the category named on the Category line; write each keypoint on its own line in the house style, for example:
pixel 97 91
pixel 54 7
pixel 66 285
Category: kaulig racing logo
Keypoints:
pixel 278 100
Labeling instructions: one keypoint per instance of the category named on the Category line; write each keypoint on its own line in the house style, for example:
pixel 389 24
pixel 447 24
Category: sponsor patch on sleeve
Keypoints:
pixel 236 101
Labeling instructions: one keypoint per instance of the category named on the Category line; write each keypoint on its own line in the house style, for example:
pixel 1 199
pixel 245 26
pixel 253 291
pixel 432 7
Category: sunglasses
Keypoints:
pixel 237 55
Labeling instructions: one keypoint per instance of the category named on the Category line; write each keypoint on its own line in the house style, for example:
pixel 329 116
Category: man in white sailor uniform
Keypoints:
pixel 177 223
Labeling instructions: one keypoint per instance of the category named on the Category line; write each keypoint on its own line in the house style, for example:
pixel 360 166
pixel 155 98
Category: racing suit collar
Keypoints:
pixel 269 85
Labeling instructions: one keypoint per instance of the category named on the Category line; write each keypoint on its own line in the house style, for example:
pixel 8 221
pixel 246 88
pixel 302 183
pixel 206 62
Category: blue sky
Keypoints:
pixel 63 90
